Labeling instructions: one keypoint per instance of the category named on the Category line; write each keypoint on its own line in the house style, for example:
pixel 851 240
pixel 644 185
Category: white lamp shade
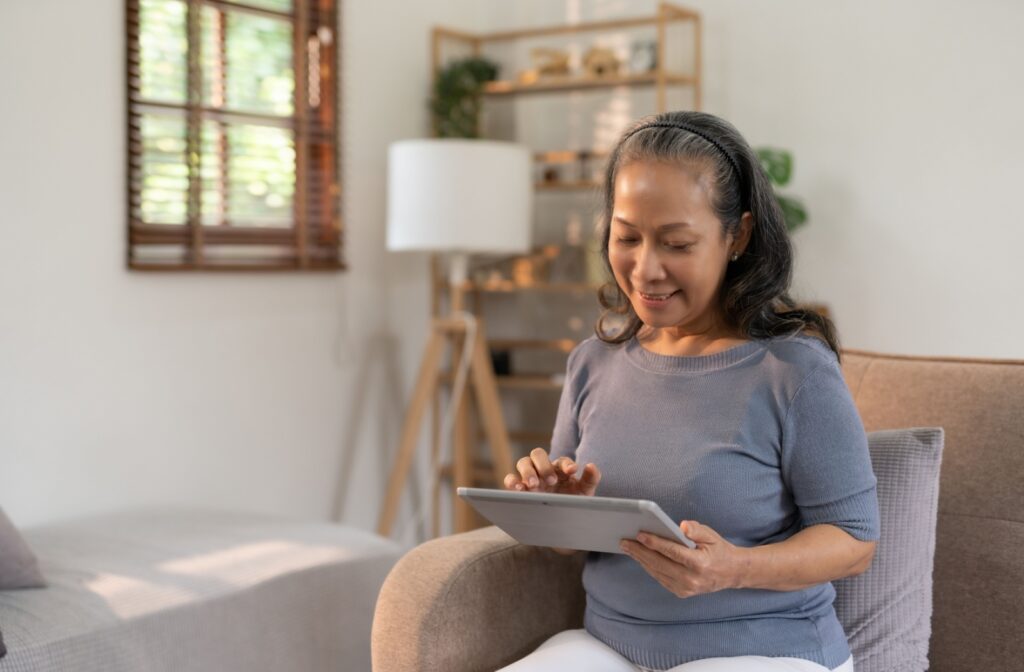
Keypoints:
pixel 451 195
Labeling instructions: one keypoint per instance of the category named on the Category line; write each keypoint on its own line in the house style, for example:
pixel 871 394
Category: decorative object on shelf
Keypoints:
pixel 778 163
pixel 551 175
pixel 586 168
pixel 547 62
pixel 601 62
pixel 534 268
pixel 579 168
pixel 643 56
pixel 455 105
pixel 439 192
pixel 524 272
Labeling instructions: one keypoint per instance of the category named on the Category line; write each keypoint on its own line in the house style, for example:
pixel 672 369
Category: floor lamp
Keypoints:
pixel 456 197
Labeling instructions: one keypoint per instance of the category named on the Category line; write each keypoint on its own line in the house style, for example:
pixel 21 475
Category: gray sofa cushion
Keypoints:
pixel 18 565
pixel 887 610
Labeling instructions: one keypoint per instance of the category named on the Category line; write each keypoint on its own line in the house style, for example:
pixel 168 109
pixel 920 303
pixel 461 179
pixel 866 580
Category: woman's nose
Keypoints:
pixel 648 264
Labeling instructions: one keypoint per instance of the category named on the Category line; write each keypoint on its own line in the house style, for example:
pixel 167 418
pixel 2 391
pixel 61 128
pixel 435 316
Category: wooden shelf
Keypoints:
pixel 560 344
pixel 568 155
pixel 524 381
pixel 672 13
pixel 561 84
pixel 531 382
pixel 507 286
pixel 482 471
pixel 583 185
pixel 536 438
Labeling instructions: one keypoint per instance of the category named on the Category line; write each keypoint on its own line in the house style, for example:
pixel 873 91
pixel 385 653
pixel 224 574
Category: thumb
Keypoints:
pixel 702 534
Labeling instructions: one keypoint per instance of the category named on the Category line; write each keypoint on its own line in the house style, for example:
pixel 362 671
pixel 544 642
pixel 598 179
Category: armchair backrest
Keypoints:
pixel 979 557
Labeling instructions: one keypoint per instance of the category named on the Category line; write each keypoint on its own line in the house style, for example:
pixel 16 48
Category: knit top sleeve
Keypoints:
pixel 566 436
pixel 825 460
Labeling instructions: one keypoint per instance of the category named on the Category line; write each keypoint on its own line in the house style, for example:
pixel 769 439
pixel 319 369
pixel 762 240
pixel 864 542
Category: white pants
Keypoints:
pixel 579 650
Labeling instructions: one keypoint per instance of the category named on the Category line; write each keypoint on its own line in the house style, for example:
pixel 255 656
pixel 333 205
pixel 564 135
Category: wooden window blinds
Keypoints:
pixel 232 135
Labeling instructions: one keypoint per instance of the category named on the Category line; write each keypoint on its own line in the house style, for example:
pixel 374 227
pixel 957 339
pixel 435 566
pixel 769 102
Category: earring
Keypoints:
pixel 735 256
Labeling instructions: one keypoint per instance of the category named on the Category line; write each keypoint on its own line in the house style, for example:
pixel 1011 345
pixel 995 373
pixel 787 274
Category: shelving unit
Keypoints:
pixel 505 88
pixel 662 76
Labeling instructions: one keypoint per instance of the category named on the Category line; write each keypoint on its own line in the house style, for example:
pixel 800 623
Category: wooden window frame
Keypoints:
pixel 314 239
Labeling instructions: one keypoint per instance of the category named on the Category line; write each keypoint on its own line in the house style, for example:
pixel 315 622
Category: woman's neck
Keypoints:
pixel 679 343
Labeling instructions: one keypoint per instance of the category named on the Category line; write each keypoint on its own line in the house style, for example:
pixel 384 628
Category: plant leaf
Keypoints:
pixel 778 163
pixel 793 211
pixel 455 102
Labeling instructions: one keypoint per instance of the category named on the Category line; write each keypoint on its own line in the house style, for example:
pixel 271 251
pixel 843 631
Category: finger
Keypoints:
pixel 653 563
pixel 512 482
pixel 702 534
pixel 527 473
pixel 564 468
pixel 671 550
pixel 542 463
pixel 589 479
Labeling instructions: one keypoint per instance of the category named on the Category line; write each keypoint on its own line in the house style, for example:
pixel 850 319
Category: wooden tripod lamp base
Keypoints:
pixel 482 381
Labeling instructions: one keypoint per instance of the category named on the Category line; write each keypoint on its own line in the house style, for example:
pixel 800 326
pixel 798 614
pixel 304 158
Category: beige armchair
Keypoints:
pixel 477 601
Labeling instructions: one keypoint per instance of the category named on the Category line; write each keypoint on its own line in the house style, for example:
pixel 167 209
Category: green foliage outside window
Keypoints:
pixel 247 169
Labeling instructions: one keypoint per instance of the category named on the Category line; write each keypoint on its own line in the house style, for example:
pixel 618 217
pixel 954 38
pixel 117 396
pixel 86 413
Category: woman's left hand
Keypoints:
pixel 714 565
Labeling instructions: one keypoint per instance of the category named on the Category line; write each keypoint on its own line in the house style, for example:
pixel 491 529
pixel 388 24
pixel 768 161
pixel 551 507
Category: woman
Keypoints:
pixel 721 401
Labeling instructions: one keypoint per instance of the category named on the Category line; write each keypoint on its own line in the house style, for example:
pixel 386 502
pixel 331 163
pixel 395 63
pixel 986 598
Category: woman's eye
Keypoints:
pixel 625 241
pixel 679 247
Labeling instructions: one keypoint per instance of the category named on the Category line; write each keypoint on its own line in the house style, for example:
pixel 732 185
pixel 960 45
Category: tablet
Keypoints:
pixel 572 521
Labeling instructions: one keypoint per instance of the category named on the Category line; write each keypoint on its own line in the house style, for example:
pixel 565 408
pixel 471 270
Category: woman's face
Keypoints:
pixel 666 247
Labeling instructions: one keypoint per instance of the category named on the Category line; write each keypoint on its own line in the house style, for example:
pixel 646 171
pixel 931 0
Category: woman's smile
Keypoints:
pixel 655 300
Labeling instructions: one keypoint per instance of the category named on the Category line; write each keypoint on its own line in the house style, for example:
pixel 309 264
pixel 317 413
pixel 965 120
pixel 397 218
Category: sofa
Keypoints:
pixel 196 591
pixel 477 601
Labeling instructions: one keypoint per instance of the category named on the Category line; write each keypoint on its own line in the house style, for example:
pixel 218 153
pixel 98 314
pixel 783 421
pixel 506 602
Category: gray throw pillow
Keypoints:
pixel 18 565
pixel 887 610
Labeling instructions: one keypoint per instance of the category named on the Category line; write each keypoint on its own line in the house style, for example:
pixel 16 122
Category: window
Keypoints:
pixel 232 135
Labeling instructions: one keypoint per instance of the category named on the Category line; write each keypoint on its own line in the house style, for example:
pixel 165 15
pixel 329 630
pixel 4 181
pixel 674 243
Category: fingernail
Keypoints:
pixel 624 547
pixel 642 538
pixel 534 482
pixel 519 486
pixel 552 479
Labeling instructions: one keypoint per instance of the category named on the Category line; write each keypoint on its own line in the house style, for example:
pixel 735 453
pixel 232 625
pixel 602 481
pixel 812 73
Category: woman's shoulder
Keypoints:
pixel 592 350
pixel 800 353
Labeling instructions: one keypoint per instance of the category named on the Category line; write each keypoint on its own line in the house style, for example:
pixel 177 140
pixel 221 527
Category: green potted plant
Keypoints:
pixel 778 163
pixel 455 104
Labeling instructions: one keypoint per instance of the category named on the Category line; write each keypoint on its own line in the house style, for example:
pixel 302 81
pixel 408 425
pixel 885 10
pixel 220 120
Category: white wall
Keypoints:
pixel 904 119
pixel 245 391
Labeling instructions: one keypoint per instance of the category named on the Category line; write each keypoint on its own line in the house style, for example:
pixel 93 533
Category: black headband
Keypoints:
pixel 672 124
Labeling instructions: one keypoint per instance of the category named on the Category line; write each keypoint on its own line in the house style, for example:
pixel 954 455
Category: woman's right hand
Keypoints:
pixel 537 473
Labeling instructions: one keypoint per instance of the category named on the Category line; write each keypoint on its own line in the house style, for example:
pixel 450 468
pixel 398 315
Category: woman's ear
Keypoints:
pixel 743 235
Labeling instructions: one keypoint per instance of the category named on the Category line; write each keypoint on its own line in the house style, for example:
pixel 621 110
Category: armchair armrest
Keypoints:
pixel 473 602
